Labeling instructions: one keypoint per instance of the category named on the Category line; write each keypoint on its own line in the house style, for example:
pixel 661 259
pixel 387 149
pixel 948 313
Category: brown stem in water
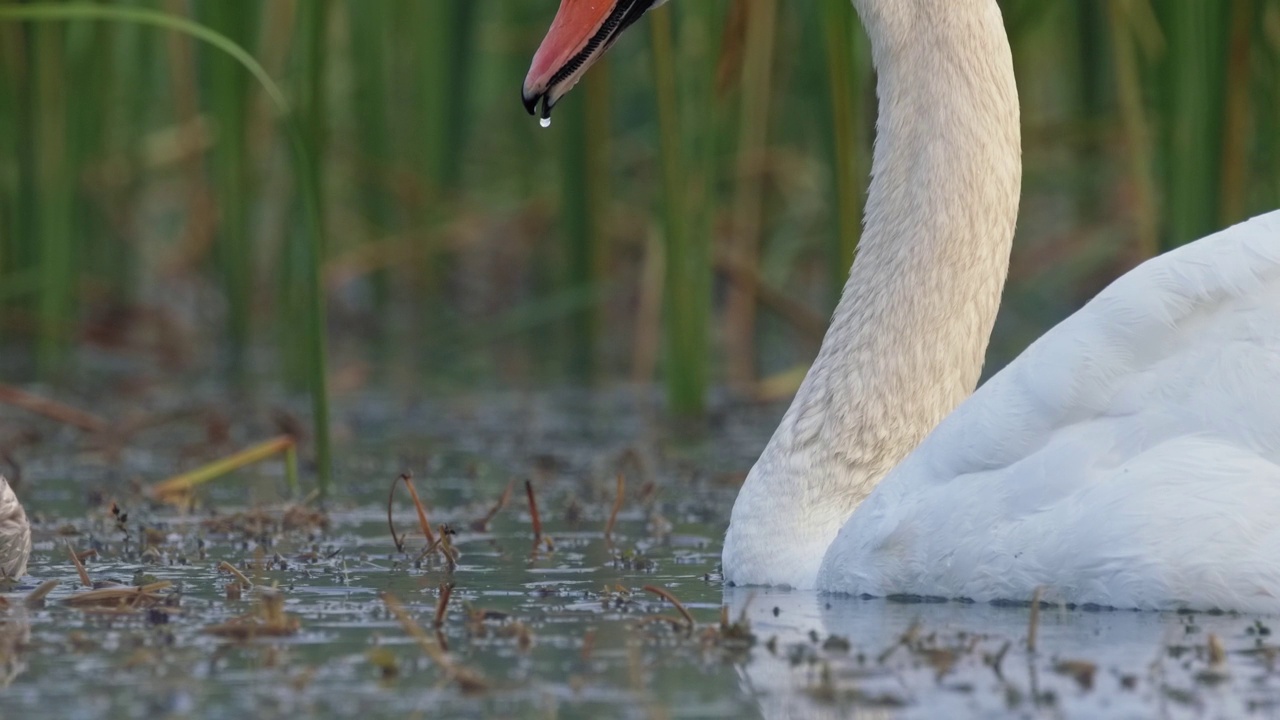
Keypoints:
pixel 617 505
pixel 442 605
pixel 422 511
pixel 84 574
pixel 679 606
pixel 391 499
pixel 240 577
pixel 482 525
pixel 533 512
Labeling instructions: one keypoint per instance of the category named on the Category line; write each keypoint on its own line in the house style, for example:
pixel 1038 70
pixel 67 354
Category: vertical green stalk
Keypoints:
pixel 1194 71
pixel 599 120
pixel 584 192
pixel 849 74
pixel 307 187
pixel 447 42
pixel 686 150
pixel 313 17
pixel 17 189
pixel 106 260
pixel 228 86
pixel 55 199
pixel 369 23
pixel 1269 116
pixel 1235 125
pixel 446 32
pixel 748 212
pixel 315 335
pixel 1133 118
pixel 1091 97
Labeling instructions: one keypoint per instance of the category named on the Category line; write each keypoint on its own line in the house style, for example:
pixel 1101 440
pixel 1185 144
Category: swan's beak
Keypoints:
pixel 581 33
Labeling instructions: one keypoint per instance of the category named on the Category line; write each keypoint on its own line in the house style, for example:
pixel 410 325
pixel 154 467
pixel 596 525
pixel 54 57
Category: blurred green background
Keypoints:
pixel 688 218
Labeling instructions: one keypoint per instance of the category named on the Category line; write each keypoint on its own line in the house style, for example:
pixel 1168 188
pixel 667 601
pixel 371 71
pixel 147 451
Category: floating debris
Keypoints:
pixel 1217 657
pixel 35 598
pixel 240 577
pixel 385 661
pixel 260 523
pixel 122 597
pixel 1082 671
pixel 468 680
pixel 266 619
pixel 178 490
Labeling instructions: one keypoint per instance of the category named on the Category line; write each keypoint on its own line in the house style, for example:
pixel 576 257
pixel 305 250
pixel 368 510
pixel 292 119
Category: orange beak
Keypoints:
pixel 581 33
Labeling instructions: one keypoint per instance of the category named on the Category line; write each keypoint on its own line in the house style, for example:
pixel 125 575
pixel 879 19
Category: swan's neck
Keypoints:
pixel 908 337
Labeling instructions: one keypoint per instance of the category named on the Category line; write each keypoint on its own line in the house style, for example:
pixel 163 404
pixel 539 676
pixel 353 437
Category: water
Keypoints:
pixel 545 122
pixel 565 638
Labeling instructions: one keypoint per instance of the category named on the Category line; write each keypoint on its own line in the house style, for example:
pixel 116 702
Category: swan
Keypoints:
pixel 15 534
pixel 1129 458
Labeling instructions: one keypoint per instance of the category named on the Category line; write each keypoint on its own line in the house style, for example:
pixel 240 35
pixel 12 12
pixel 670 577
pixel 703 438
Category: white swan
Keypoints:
pixel 1129 458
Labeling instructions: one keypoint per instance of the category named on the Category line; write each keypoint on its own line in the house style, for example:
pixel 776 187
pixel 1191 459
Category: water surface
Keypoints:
pixel 569 631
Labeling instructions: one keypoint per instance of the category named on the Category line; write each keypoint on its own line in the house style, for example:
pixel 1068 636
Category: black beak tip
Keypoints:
pixel 531 101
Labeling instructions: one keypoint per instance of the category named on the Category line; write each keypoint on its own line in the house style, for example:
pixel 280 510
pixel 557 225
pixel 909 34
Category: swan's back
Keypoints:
pixel 1129 458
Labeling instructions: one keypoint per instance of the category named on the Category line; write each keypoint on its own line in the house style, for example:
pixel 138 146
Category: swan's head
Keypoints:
pixel 581 33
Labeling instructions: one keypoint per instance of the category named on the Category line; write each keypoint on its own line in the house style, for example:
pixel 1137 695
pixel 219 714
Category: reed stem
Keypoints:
pixel 308 189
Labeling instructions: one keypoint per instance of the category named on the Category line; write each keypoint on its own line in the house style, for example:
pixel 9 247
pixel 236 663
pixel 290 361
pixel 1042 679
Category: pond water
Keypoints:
pixel 565 631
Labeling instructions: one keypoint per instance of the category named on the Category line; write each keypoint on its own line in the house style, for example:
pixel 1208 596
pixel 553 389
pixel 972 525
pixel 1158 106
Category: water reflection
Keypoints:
pixel 953 659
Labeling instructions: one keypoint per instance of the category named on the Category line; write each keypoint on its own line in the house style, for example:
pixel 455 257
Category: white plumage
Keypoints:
pixel 1129 458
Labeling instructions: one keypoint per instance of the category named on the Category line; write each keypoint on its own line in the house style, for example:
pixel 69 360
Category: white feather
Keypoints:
pixel 1129 458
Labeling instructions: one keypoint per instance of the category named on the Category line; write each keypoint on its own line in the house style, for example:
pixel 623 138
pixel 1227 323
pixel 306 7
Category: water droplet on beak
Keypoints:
pixel 545 122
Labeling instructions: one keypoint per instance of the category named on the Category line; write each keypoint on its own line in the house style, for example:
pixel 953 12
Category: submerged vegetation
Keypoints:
pixel 691 215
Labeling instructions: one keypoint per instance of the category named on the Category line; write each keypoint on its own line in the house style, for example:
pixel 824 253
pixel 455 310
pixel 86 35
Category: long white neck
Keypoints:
pixel 907 340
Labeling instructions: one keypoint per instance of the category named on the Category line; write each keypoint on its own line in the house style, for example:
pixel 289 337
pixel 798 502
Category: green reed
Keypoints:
pixel 584 123
pixel 371 103
pixel 229 101
pixel 686 138
pixel 748 206
pixel 54 186
pixel 1125 19
pixel 1194 80
pixel 849 75
pixel 1146 124
pixel 42 15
